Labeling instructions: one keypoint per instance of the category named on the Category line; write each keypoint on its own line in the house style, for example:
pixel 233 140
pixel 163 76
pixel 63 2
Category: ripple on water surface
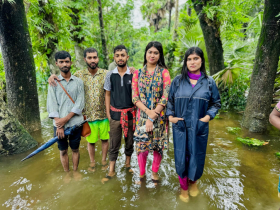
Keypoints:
pixel 235 177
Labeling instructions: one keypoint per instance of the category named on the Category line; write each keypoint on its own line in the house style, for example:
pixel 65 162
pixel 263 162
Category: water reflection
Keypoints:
pixel 235 177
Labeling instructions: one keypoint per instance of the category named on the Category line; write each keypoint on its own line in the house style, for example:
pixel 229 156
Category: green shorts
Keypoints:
pixel 101 127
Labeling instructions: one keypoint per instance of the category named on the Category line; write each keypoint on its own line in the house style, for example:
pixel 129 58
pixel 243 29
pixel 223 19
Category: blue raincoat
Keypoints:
pixel 190 135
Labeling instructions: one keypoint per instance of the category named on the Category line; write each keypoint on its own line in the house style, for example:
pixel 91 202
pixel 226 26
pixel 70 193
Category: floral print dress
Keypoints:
pixel 152 90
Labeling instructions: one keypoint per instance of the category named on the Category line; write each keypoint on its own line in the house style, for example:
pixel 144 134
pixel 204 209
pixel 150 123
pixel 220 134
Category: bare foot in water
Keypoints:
pixel 77 175
pixel 193 190
pixel 91 167
pixel 67 177
pixel 139 182
pixel 155 178
pixel 184 196
pixel 108 177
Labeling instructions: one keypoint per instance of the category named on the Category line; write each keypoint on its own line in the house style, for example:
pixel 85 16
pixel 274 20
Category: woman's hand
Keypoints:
pixel 205 119
pixel 149 126
pixel 152 114
pixel 174 119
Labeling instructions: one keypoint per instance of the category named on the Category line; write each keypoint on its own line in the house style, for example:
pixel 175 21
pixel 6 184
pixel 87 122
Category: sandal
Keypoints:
pixel 107 178
pixel 91 169
pixel 140 180
pixel 105 167
pixel 129 169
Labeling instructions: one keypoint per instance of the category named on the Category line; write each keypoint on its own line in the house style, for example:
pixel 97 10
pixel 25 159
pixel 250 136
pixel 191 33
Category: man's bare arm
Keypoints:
pixel 274 118
pixel 107 103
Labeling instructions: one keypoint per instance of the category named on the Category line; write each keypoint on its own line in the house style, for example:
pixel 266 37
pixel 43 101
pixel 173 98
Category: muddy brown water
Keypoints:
pixel 235 176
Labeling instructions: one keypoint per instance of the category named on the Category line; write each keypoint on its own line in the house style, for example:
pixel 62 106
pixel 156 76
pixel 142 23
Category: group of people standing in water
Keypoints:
pixel 137 104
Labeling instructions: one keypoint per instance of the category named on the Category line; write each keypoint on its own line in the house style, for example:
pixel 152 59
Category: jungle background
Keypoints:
pixel 74 25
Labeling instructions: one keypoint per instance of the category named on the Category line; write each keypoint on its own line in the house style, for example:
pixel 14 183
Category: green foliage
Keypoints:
pixel 2 74
pixel 234 95
pixel 277 154
pixel 233 130
pixel 251 141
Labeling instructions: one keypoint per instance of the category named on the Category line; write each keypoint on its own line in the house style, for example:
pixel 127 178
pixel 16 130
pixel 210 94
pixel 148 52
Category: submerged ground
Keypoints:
pixel 235 177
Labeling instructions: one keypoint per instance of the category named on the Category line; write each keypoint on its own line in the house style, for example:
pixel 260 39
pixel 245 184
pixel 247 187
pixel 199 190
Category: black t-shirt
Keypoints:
pixel 120 91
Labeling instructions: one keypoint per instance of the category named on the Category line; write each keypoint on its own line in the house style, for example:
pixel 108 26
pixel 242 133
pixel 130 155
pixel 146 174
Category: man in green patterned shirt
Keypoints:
pixel 95 110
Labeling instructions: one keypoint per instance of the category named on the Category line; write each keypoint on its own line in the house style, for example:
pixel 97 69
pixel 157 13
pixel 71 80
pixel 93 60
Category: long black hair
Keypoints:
pixel 190 51
pixel 158 46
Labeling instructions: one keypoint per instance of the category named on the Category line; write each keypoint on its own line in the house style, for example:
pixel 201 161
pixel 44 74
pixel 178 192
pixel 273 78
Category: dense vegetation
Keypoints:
pixel 73 25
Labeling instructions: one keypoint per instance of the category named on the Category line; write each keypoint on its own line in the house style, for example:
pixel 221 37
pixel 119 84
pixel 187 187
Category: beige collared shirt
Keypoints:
pixel 94 93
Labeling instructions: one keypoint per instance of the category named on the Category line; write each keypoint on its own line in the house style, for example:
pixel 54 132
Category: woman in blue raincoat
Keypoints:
pixel 193 101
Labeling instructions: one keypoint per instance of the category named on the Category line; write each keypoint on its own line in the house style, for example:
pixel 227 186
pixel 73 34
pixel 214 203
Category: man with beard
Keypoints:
pixel 95 110
pixel 120 110
pixel 64 112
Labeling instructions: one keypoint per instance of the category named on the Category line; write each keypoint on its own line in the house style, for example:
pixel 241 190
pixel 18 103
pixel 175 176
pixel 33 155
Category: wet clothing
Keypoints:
pixel 151 90
pixel 120 92
pixel 142 160
pixel 73 139
pixel 101 127
pixel 60 105
pixel 116 138
pixel 190 135
pixel 184 182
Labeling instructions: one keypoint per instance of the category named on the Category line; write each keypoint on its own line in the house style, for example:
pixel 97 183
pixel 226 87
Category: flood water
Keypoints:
pixel 235 176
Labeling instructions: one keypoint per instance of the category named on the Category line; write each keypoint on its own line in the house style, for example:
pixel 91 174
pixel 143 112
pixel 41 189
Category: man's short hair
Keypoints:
pixel 90 50
pixel 62 55
pixel 120 48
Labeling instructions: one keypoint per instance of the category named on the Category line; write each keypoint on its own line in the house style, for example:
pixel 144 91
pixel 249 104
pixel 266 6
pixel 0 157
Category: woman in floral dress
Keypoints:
pixel 150 88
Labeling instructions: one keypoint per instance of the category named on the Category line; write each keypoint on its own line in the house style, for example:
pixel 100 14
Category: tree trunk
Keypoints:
pixel 169 19
pixel 176 20
pixel 211 33
pixel 79 52
pixel 19 64
pixel 189 10
pixel 104 48
pixel 51 63
pixel 13 137
pixel 75 29
pixel 264 72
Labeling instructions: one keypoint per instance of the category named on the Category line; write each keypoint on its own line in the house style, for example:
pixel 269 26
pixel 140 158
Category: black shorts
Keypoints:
pixel 74 140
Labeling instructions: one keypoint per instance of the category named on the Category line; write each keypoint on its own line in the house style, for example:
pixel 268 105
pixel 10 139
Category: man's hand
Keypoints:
pixel 205 119
pixel 149 126
pixel 132 70
pixel 60 122
pixel 60 133
pixel 174 119
pixel 52 79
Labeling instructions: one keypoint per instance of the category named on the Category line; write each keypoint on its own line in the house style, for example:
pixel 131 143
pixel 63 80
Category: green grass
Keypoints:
pixel 251 141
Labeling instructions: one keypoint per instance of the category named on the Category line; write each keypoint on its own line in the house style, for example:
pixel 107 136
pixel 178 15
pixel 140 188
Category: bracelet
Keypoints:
pixel 151 119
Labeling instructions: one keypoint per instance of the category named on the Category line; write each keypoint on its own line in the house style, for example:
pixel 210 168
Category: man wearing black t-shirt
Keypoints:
pixel 120 110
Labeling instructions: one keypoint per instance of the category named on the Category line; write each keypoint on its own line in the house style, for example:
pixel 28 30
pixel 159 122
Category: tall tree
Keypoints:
pixel 102 33
pixel 75 30
pixel 265 69
pixel 169 6
pixel 19 64
pixel 211 33
pixel 176 20
pixel 14 138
